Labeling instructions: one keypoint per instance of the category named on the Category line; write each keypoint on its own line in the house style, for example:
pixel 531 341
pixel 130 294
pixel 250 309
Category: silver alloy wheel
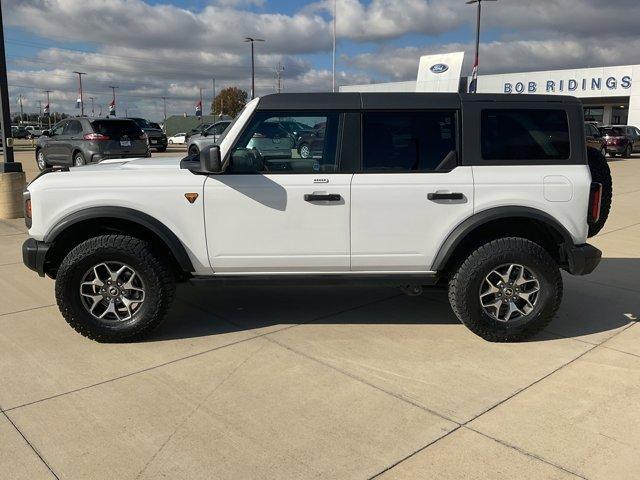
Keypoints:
pixel 79 160
pixel 112 292
pixel 42 163
pixel 305 151
pixel 509 292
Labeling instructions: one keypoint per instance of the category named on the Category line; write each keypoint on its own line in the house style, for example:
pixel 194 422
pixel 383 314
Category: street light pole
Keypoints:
pixel 333 58
pixel 81 97
pixel 164 108
pixel 9 165
pixel 253 67
pixel 473 86
pixel 93 110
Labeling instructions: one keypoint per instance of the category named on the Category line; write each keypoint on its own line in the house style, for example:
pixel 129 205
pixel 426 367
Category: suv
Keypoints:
pixel 82 140
pixel 594 138
pixel 157 138
pixel 208 136
pixel 489 195
pixel 621 140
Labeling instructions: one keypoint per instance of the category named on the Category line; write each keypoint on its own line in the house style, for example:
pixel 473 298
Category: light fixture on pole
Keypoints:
pixel 81 97
pixel 473 86
pixel 253 67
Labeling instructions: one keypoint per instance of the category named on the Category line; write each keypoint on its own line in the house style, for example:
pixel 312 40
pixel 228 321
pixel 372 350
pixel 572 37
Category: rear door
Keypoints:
pixel 410 192
pixel 274 212
pixel 53 144
pixel 71 136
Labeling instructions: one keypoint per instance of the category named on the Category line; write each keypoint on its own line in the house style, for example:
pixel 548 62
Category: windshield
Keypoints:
pixel 142 122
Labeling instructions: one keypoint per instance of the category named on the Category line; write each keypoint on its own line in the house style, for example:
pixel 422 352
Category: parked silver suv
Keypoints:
pixel 209 136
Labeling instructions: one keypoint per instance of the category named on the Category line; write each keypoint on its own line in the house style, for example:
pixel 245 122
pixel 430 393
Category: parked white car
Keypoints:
pixel 179 138
pixel 489 196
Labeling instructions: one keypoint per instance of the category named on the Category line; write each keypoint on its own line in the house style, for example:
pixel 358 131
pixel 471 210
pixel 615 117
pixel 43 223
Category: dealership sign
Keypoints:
pixel 570 85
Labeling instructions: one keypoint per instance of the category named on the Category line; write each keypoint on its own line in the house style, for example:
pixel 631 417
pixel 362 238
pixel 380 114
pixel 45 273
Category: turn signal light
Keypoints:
pixel 27 208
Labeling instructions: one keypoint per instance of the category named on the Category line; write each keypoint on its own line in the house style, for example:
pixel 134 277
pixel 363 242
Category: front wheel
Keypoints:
pixel 507 290
pixel 41 160
pixel 305 151
pixel 627 152
pixel 114 288
pixel 194 151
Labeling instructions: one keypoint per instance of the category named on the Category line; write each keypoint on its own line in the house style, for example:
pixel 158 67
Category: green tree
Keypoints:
pixel 229 101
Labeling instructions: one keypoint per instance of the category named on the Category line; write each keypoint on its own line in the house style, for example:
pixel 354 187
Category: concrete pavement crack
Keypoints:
pixel 33 448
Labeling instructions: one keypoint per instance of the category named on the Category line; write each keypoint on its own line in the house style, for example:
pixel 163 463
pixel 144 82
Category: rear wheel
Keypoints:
pixel 506 290
pixel 600 173
pixel 113 288
pixel 627 152
pixel 78 159
pixel 162 149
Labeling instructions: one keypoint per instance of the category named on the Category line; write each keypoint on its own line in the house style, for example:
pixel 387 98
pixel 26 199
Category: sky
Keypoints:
pixel 172 48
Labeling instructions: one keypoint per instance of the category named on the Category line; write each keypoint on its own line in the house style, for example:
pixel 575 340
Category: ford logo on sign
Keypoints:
pixel 439 68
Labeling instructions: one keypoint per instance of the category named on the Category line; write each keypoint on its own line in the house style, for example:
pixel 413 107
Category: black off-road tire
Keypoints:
pixel 464 289
pixel 158 281
pixel 601 173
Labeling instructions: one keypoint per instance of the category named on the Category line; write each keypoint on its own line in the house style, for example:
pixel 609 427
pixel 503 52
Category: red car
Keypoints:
pixel 620 140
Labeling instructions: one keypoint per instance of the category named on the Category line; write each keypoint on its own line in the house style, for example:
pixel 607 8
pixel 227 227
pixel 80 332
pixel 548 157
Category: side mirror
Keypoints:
pixel 210 160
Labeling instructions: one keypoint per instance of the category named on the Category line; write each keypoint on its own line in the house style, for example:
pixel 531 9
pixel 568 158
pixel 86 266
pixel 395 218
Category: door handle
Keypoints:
pixel 445 196
pixel 316 197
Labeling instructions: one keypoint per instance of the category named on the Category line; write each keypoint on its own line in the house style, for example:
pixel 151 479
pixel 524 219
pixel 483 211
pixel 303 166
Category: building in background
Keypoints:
pixel 609 94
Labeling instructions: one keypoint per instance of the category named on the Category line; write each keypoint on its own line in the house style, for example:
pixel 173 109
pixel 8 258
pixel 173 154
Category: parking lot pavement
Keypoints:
pixel 351 382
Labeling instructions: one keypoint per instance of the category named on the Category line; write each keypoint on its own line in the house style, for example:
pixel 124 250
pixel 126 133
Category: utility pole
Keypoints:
pixel 279 70
pixel 113 90
pixel 81 97
pixel 253 66
pixel 333 57
pixel 473 86
pixel 21 109
pixel 213 96
pixel 93 110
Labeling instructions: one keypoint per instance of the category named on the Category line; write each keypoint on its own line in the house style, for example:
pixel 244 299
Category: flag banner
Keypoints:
pixel 199 109
pixel 46 110
pixel 112 108
pixel 78 102
pixel 473 86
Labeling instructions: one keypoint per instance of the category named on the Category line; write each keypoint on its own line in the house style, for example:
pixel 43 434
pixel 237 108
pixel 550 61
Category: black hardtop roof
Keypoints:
pixel 394 100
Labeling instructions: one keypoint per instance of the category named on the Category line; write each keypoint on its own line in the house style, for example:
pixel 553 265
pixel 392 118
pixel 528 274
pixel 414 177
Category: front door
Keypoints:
pixel 410 193
pixel 273 211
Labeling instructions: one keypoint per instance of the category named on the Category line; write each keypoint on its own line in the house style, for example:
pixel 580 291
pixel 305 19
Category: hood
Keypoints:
pixel 154 163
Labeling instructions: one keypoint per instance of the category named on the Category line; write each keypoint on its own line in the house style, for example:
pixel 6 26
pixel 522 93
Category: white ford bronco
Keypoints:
pixel 488 195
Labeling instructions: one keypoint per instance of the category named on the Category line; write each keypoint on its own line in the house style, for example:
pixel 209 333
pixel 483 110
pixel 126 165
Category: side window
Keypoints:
pixel 524 134
pixel 267 146
pixel 218 129
pixel 73 128
pixel 407 141
pixel 58 129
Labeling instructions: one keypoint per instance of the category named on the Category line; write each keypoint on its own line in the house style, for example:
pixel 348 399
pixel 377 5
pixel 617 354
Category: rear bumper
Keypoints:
pixel 582 259
pixel 34 253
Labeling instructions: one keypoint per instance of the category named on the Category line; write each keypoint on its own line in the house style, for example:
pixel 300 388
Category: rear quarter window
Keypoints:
pixel 524 134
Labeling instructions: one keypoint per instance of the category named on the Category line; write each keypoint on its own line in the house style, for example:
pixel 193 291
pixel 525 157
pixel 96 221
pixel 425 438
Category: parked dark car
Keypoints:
pixel 295 129
pixel 78 141
pixel 19 132
pixel 595 138
pixel 311 143
pixel 621 140
pixel 157 138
